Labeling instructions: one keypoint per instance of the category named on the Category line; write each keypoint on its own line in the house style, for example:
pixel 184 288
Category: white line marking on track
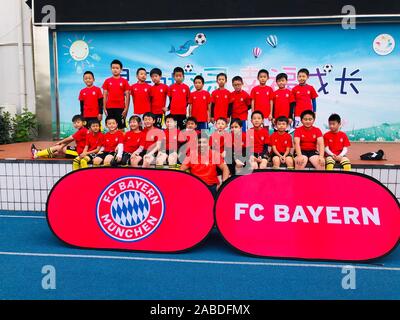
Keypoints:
pixel 244 263
pixel 23 217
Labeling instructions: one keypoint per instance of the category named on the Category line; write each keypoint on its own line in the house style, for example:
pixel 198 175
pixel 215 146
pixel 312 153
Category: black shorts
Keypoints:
pixel 309 153
pixel 262 155
pixel 158 123
pixel 103 155
pixel 180 121
pixel 281 153
pixel 71 153
pixel 126 159
pixel 144 152
pixel 91 156
pixel 117 114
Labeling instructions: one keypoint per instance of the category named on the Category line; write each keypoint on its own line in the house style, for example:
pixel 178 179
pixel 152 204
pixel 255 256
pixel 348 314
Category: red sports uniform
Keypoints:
pixel 94 140
pixel 179 96
pixel 132 141
pixel 112 140
pixel 116 88
pixel 262 96
pixel 257 139
pixel 281 141
pixel 204 167
pixel 241 101
pixel 189 139
pixel 158 95
pixel 220 98
pixel 171 139
pixel 90 97
pixel 308 137
pixel 80 139
pixel 303 94
pixel 218 141
pixel 200 100
pixel 141 97
pixel 336 141
pixel 282 99
pixel 150 137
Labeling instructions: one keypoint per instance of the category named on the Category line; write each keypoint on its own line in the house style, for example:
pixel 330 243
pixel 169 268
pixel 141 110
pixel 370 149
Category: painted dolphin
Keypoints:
pixel 186 49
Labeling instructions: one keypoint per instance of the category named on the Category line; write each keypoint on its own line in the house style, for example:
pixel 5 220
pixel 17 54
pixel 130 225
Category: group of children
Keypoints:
pixel 181 141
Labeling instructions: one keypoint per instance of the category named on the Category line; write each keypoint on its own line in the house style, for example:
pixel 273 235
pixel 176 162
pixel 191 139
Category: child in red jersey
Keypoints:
pixel 261 96
pixel 199 104
pixel 336 144
pixel 170 144
pixel 281 143
pixel 239 152
pixel 116 95
pixel 91 100
pixel 304 96
pixel 94 141
pixel 241 102
pixel 140 92
pixel 179 94
pixel 203 163
pixel 220 138
pixel 150 143
pixel 257 141
pixel 283 100
pixel 61 147
pixel 131 142
pixel 113 144
pixel 158 96
pixel 309 143
pixel 220 99
pixel 188 138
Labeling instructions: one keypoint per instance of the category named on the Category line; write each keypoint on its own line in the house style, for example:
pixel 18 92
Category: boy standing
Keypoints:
pixel 281 143
pixel 199 104
pixel 179 94
pixel 116 95
pixel 140 92
pixel 158 96
pixel 220 99
pixel 304 96
pixel 261 96
pixel 241 102
pixel 283 99
pixel 336 144
pixel 91 100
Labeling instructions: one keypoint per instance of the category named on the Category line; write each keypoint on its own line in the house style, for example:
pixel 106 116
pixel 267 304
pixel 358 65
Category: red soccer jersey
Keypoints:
pixel 282 99
pixel 80 139
pixel 308 137
pixel 116 88
pixel 200 101
pixel 150 137
pixel 281 141
pixel 303 94
pixel 171 139
pixel 158 95
pixel 220 98
pixel 189 139
pixel 141 97
pixel 241 101
pixel 94 140
pixel 132 141
pixel 220 140
pixel 90 97
pixel 262 96
pixel 257 139
pixel 179 94
pixel 112 140
pixel 205 167
pixel 336 141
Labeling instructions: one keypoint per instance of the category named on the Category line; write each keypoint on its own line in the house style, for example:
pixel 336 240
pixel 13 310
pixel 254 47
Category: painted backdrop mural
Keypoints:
pixel 354 71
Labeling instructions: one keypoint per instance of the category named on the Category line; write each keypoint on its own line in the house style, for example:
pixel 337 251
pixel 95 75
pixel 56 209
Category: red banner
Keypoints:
pixel 309 215
pixel 130 209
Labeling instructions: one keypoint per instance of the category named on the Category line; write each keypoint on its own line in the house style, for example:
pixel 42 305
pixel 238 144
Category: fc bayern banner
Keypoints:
pixel 309 215
pixel 130 209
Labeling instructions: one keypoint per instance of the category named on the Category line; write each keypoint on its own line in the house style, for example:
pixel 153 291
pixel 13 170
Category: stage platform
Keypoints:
pixel 26 183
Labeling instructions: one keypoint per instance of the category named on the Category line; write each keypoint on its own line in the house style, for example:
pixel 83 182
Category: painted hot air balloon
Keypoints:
pixel 272 40
pixel 257 52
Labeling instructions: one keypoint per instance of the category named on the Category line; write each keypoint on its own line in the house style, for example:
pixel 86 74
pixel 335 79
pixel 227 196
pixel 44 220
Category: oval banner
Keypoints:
pixel 130 209
pixel 309 215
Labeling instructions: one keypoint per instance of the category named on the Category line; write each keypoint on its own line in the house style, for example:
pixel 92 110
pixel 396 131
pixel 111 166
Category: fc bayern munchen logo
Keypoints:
pixel 130 209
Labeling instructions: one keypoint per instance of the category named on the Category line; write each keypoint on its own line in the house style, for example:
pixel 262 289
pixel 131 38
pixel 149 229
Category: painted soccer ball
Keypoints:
pixel 200 39
pixel 327 68
pixel 188 68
